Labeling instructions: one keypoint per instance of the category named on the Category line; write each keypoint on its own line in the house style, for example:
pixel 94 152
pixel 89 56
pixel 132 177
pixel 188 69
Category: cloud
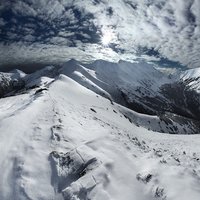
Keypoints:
pixel 167 26
pixel 2 22
pixel 136 27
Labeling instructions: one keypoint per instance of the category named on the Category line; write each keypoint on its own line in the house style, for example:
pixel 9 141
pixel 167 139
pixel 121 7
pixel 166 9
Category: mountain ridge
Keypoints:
pixel 137 86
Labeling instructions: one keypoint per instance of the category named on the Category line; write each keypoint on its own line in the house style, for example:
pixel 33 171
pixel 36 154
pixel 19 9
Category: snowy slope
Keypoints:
pixel 67 142
pixel 192 79
pixel 138 86
pixel 142 88
pixel 120 80
pixel 134 85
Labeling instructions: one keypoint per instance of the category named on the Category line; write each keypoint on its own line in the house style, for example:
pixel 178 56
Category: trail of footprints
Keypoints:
pixel 68 169
pixel 57 128
pixel 55 132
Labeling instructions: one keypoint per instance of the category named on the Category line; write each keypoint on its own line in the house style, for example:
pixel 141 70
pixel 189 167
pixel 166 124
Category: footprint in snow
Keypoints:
pixel 145 178
pixel 157 191
pixel 55 130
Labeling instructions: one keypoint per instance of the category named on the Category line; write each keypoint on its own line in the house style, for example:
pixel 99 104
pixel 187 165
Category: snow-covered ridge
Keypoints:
pixel 192 79
pixel 116 78
pixel 191 73
pixel 138 86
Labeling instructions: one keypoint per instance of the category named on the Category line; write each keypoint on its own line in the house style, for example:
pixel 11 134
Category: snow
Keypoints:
pixel 68 142
pixel 111 79
pixel 192 78
pixel 191 73
pixel 12 75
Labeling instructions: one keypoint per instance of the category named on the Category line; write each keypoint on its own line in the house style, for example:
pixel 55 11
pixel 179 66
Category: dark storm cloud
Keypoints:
pixel 51 31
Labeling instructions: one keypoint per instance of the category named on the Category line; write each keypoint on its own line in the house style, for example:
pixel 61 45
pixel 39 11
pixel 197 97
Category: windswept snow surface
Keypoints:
pixel 67 142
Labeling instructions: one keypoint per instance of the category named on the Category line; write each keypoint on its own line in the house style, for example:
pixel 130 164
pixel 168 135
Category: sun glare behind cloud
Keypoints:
pixel 108 36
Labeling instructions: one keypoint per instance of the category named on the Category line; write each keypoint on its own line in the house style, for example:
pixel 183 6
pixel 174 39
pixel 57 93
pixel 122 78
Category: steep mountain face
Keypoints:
pixel 174 100
pixel 11 82
pixel 127 83
pixel 142 88
pixel 184 93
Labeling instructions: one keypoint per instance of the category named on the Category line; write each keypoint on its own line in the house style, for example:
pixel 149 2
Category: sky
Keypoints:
pixel 42 32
